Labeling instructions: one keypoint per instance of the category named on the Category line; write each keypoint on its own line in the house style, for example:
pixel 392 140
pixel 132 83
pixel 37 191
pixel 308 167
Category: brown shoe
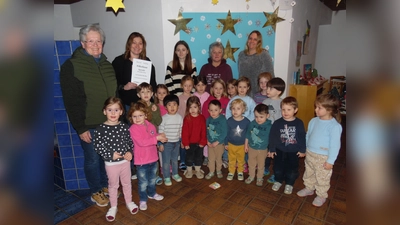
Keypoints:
pixel 105 191
pixel 100 199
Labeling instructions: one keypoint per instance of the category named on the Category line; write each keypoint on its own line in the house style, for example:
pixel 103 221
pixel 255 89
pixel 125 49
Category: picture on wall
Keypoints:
pixel 308 71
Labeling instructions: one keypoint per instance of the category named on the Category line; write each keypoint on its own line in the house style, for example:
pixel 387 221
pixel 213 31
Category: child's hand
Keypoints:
pixel 301 155
pixel 182 145
pixel 161 137
pixel 161 148
pixel 215 144
pixel 154 108
pixel 246 148
pixel 201 146
pixel 128 156
pixel 209 144
pixel 117 155
pixel 226 147
pixel 186 147
pixel 327 166
pixel 271 154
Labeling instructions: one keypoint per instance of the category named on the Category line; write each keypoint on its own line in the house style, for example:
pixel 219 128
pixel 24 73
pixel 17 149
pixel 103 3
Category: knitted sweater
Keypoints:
pixel 173 82
pixel 194 130
pixel 212 73
pixel 85 85
pixel 171 125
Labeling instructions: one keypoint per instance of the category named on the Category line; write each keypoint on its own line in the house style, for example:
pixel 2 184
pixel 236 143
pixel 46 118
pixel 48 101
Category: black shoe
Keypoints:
pixel 182 166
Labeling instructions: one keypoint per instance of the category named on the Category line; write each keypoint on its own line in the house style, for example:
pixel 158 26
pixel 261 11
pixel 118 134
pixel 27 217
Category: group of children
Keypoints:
pixel 225 127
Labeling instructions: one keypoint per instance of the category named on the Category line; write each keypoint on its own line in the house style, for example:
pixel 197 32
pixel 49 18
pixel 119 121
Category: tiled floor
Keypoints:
pixel 193 202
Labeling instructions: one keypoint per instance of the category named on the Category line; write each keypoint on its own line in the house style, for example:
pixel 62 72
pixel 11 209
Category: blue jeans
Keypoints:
pixel 225 155
pixel 147 180
pixel 94 167
pixel 182 153
pixel 170 157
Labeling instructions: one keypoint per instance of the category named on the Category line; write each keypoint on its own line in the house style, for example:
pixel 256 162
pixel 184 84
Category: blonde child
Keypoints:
pixel 323 145
pixel 171 125
pixel 159 95
pixel 180 66
pixel 235 141
pixel 243 87
pixel 216 134
pixel 287 142
pixel 114 144
pixel 257 138
pixel 262 81
pixel 231 88
pixel 194 137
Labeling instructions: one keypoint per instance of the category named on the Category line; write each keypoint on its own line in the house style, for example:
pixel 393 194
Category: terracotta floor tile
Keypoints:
pixel 183 205
pixel 200 213
pixel 250 216
pixel 336 217
pixel 88 214
pixel 154 222
pixel 169 198
pixel 290 202
pixel 139 218
pixel 241 198
pixel 101 220
pixel 273 221
pixel 178 189
pixel 69 221
pixel 153 208
pixel 261 206
pixel 213 201
pixel 339 195
pixel 338 205
pixel 168 216
pixel 219 219
pixel 316 212
pixel 195 195
pixel 250 189
pixel 238 222
pixel 224 192
pixel 231 209
pixel 283 214
pixel 302 219
pixel 269 196
pixel 186 220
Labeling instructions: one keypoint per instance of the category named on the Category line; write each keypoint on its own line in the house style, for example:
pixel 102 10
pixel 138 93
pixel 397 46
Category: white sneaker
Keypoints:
pixel 276 186
pixel 288 189
pixel 110 216
pixel 134 177
pixel 143 205
pixel 156 197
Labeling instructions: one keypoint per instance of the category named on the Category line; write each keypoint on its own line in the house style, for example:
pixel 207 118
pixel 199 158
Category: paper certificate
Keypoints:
pixel 141 71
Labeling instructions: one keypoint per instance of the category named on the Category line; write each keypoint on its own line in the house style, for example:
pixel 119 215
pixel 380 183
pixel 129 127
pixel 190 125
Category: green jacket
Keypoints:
pixel 85 85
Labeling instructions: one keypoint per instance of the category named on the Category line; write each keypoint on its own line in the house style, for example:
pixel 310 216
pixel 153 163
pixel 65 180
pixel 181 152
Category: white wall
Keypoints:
pixel 331 48
pixel 63 28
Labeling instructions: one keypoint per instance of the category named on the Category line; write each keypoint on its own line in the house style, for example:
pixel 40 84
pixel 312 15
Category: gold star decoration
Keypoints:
pixel 214 2
pixel 228 23
pixel 229 51
pixel 273 19
pixel 180 23
pixel 115 5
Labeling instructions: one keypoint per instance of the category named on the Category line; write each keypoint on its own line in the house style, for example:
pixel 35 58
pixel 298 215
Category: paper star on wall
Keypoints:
pixel 214 2
pixel 180 22
pixel 228 23
pixel 115 5
pixel 229 51
pixel 273 19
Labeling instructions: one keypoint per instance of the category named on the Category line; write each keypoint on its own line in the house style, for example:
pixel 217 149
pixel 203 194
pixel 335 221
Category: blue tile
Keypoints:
pixel 63 48
pixel 57 162
pixel 66 152
pixel 68 163
pixel 64 140
pixel 65 200
pixel 56 76
pixel 83 184
pixel 60 193
pixel 62 128
pixel 78 151
pixel 76 207
pixel 75 44
pixel 60 116
pixel 83 193
pixel 81 173
pixel 58 103
pixel 71 185
pixel 60 182
pixel 76 140
pixel 55 51
pixel 79 162
pixel 59 216
pixel 72 129
pixel 57 90
pixel 58 172
pixel 62 59
pixel 56 67
pixel 70 174
pixel 89 200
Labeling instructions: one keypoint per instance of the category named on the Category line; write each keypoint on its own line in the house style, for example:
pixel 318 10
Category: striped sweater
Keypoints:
pixel 173 82
pixel 171 125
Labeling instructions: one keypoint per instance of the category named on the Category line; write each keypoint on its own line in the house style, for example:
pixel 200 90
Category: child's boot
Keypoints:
pixel 188 173
pixel 199 172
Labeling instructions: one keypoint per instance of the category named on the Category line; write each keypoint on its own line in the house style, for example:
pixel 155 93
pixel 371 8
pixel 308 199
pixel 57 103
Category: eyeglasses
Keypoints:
pixel 94 42
pixel 138 117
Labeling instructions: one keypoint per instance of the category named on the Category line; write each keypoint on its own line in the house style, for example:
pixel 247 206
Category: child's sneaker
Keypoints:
pixel 271 179
pixel 276 186
pixel 245 168
pixel 143 205
pixel 219 174
pixel 134 177
pixel 288 189
pixel 167 181
pixel 260 182
pixel 110 216
pixel 100 199
pixel 177 178
pixel 105 192
pixel 133 208
pixel 240 176
pixel 199 174
pixel 209 175
pixel 159 181
pixel 182 166
pixel 230 176
pixel 156 197
pixel 304 192
pixel 318 201
pixel 266 172
pixel 188 173
pixel 249 180
pixel 205 162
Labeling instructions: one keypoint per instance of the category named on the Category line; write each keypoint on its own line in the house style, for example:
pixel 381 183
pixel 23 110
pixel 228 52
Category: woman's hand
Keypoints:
pixel 129 86
pixel 86 137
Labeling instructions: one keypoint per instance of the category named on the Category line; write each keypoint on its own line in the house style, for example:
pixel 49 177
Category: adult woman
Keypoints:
pixel 216 66
pixel 180 66
pixel 84 91
pixel 254 60
pixel 135 48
